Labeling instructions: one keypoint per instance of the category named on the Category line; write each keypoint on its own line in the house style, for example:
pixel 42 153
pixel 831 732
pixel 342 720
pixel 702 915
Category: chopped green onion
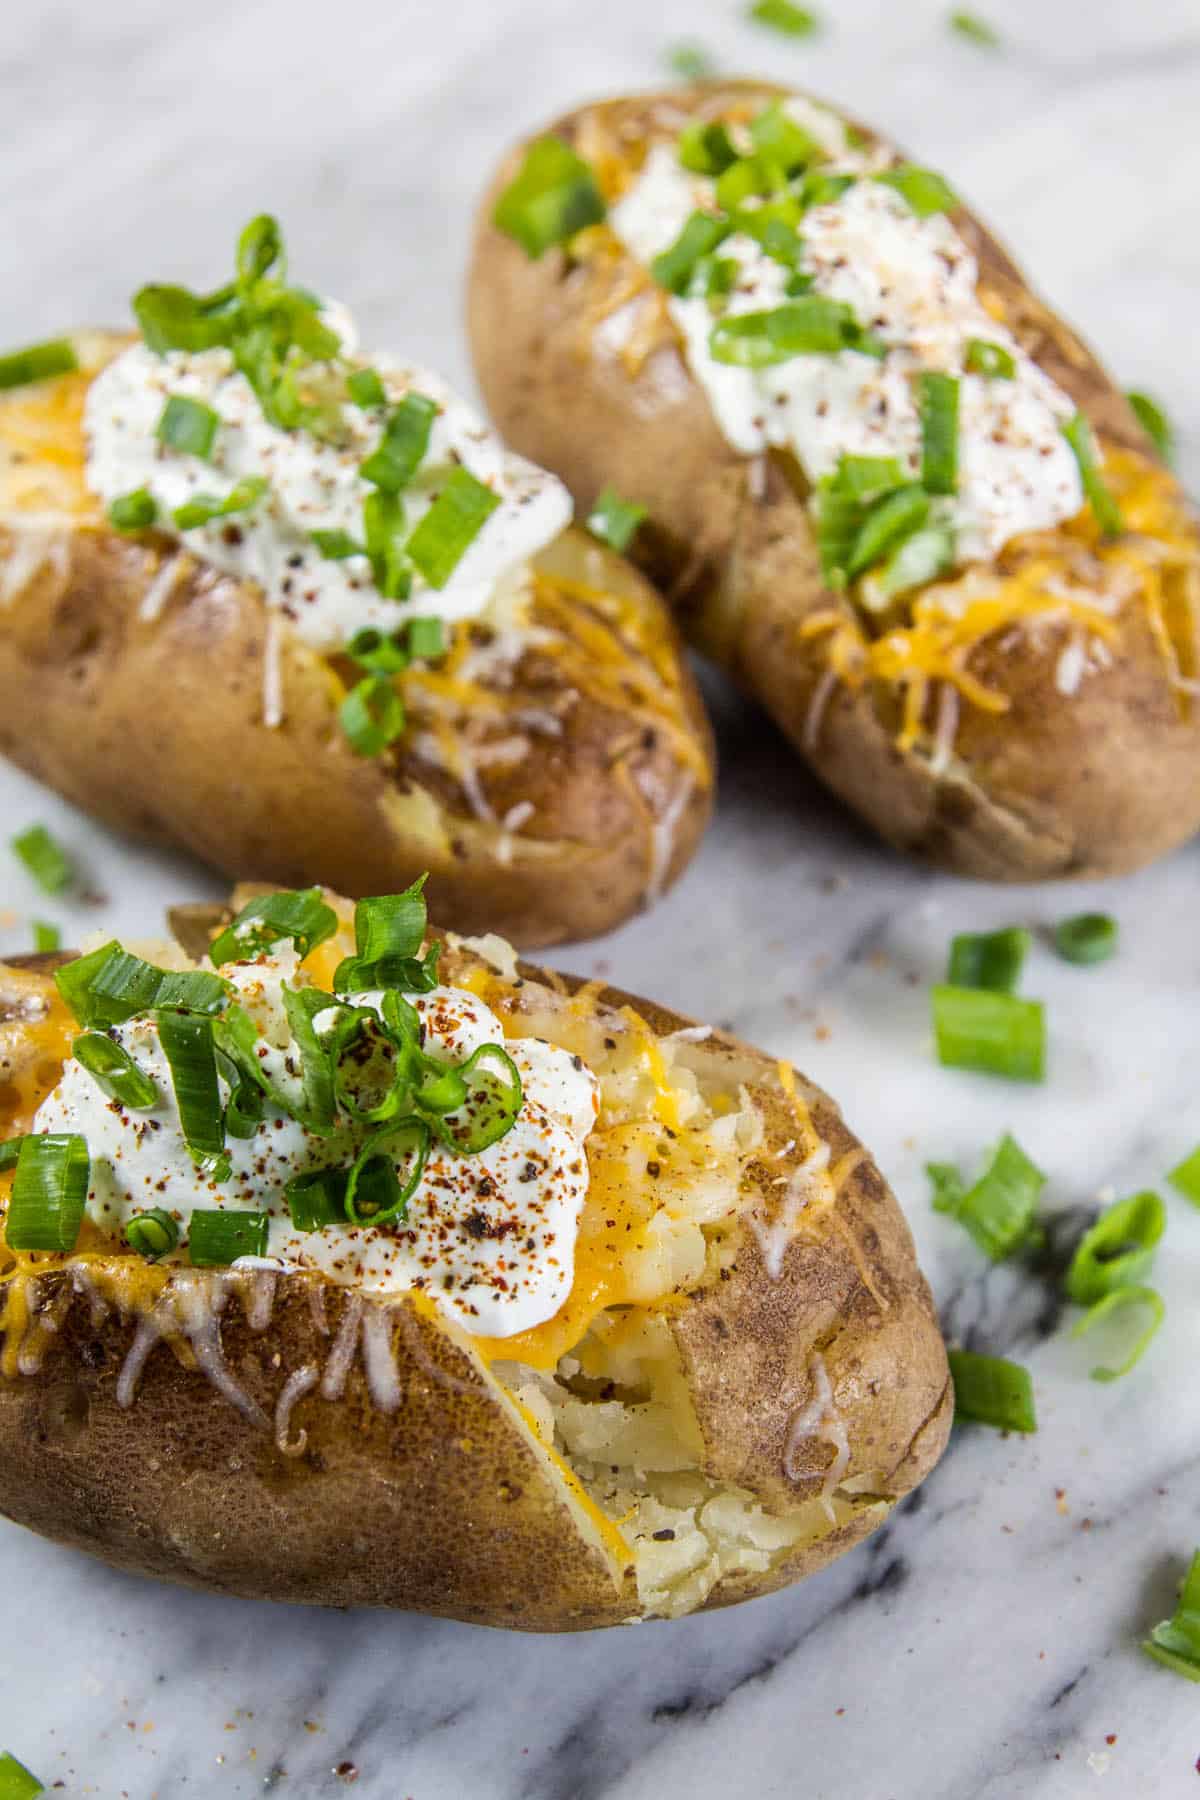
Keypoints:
pixel 375 1194
pixel 110 985
pixel 868 477
pixel 999 1209
pixel 259 248
pixel 10 1149
pixel 838 516
pixel 1086 938
pixel 1078 434
pixel 402 448
pixel 989 1390
pixel 317 1199
pixel 1175 1642
pixel 1155 423
pixel 750 178
pixel 171 318
pixel 49 1192
pixel 46 937
pixel 426 639
pixel 615 521
pixel 822 189
pixel 1118 1249
pixel 365 388
pixel 811 325
pixel 712 277
pixel 383 530
pixel 988 959
pixel 302 1006
pixel 699 238
pixel 337 545
pixel 553 196
pixel 45 859
pixel 778 238
pixel 372 715
pixel 383 652
pixel 188 426
pixel 187 1041
pixel 706 148
pixel 56 356
pixel 135 511
pixel 920 559
pixel 925 191
pixel 114 1071
pixel 996 1034
pixel 784 16
pixel 1117 1301
pixel 202 509
pixel 16 1781
pixel 993 360
pixel 938 402
pixel 389 930
pixel 691 62
pixel 1185 1177
pixel 777 136
pixel 152 1234
pixel 298 916
pixel 244 1107
pixel 978 31
pixel 949 1189
pixel 888 522
pixel 217 1238
pixel 494 1097
pixel 451 525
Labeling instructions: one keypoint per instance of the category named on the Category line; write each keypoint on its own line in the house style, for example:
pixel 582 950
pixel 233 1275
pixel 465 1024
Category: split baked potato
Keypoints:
pixel 549 763
pixel 1020 703
pixel 742 1374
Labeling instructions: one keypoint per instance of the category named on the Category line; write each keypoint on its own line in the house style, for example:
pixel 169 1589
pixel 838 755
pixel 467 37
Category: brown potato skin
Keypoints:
pixel 1089 786
pixel 443 1506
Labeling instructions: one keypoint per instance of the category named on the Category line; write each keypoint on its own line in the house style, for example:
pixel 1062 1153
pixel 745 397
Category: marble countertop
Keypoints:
pixel 984 1645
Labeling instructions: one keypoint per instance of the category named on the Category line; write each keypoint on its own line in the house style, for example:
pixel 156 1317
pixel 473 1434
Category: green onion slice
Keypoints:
pixel 553 195
pixel 1175 1642
pixel 691 62
pixel 699 238
pixel 49 1192
pixel 919 560
pixel 784 16
pixel 187 1041
pixel 259 251
pixel 318 1110
pixel 1155 423
pixel 989 1390
pixel 404 444
pixel 937 397
pixel 389 930
pixel 114 1071
pixel 55 356
pixel 451 525
pixel 45 859
pixel 778 137
pixel 372 715
pixel 706 149
pixel 202 509
pixel 135 511
pixel 365 388
pixel 810 325
pixel 16 1781
pixel 46 937
pixel 925 191
pixel 188 426
pixel 889 521
pixel 988 959
pixel 244 1107
pixel 615 521
pixel 336 546
pixel 317 1199
pixel 383 652
pixel 999 1209
pixel 1118 1301
pixel 949 1189
pixel 1118 1250
pixel 383 532
pixel 1185 1177
pixel 375 1193
pixel 297 916
pixel 822 189
pixel 152 1234
pixel 494 1097
pixel 1078 434
pixel 110 985
pixel 996 1034
pixel 993 360
pixel 236 1038
pixel 1086 938
pixel 426 639
pixel 970 26
pixel 217 1238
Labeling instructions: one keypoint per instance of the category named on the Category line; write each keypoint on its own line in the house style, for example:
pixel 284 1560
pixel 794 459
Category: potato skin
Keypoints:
pixel 1092 784
pixel 156 728
pixel 444 1505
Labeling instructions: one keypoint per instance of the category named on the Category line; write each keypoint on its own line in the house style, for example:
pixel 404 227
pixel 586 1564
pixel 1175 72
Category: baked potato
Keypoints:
pixel 210 646
pixel 664 1346
pixel 888 488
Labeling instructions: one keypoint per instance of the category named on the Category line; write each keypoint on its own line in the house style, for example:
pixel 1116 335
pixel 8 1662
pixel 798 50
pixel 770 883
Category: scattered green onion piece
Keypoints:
pixel 868 477
pixel 999 1209
pixel 925 191
pixel 989 1390
pixel 1117 1301
pixel 1086 938
pixel 45 859
pixel 615 521
pixel 317 1199
pixel 383 652
pixel 302 1006
pixel 889 521
pixel 553 196
pixel 188 426
pixel 152 1234
pixel 188 1045
pixel 114 1071
pixel 37 362
pixel 365 388
pixel 46 937
pixel 10 1149
pixel 259 249
pixel 1078 434
pixel 996 1034
pixel 383 531
pixel 1185 1177
pixel 451 525
pixel 1118 1250
pixel 402 448
pixel 217 1238
pixel 372 715
pixel 988 959
pixel 135 511
pixel 920 559
pixel 202 509
pixel 949 1189
pixel 750 178
pixel 244 1107
pixel 699 237
pixel 110 985
pixel 811 325
pixel 426 639
pixel 16 1781
pixel 298 916
pixel 706 148
pixel 171 318
pixel 776 135
pixel 494 1097
pixel 49 1192
pixel 938 401
pixel 336 546
pixel 1175 1642
pixel 771 228
pixel 366 1062
pixel 838 517
pixel 375 1194
pixel 1155 423
pixel 969 25
pixel 691 62
pixel 236 1038
pixel 389 930
pixel 822 189
pixel 993 360
pixel 784 16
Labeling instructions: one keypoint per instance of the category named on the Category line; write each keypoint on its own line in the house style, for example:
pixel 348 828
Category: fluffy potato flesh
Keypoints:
pixel 1033 716
pixel 746 1376
pixel 556 773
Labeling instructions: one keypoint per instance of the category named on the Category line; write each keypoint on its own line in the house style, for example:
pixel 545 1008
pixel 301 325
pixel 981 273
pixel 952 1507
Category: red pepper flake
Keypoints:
pixel 1111 1738
pixel 347 1772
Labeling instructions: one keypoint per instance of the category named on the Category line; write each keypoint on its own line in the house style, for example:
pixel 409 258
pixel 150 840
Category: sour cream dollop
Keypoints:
pixel 490 1237
pixel 313 486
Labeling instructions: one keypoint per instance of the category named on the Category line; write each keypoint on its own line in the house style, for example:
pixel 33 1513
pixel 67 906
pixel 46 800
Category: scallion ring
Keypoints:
pixel 114 1071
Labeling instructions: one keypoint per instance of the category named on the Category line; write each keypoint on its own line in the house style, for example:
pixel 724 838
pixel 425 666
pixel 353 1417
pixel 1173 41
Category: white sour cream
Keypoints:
pixel 313 486
pixel 910 281
pixel 490 1237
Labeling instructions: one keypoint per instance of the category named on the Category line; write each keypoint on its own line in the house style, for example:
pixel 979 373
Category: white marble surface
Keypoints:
pixel 985 1645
